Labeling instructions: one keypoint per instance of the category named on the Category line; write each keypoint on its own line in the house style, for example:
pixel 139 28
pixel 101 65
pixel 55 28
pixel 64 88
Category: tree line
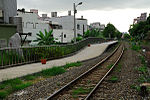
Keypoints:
pixel 141 30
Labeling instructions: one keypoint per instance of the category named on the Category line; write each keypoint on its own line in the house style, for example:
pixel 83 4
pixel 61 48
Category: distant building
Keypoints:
pixel 143 17
pixel 44 17
pixel 66 33
pixel 97 25
pixel 8 8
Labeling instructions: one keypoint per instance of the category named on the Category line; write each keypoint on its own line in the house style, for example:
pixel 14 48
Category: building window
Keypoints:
pixel 1 16
pixel 78 26
pixel 64 35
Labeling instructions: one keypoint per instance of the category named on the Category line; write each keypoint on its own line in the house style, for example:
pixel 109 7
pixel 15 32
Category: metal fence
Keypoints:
pixel 24 55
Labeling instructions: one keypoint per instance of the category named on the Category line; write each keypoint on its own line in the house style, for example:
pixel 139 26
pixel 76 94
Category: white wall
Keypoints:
pixel 58 35
pixel 82 23
pixel 32 23
pixel 67 23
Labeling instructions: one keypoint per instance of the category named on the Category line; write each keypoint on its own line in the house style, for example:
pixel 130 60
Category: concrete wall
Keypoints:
pixel 9 8
pixel 6 31
pixel 62 35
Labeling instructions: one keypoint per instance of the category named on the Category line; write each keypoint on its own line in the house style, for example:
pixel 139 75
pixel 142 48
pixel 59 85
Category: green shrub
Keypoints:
pixel 53 71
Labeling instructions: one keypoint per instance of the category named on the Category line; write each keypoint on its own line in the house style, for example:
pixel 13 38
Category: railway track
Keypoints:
pixel 85 85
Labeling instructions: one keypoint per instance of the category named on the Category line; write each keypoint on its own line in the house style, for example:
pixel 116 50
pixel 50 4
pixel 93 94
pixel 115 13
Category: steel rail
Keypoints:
pixel 90 94
pixel 73 81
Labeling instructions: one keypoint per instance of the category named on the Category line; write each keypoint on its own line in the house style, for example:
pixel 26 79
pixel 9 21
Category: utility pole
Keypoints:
pixel 75 11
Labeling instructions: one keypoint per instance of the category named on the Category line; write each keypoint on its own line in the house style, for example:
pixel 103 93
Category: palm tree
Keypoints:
pixel 45 39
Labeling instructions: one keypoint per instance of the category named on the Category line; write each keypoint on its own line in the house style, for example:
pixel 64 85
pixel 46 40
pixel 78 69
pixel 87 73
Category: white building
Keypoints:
pixel 31 23
pixel 63 26
pixel 97 25
pixel 66 33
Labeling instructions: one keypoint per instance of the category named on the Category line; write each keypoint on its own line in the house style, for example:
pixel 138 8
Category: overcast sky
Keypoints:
pixel 118 12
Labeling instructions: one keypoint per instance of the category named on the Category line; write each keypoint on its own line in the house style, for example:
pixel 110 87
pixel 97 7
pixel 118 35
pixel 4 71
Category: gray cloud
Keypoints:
pixel 63 5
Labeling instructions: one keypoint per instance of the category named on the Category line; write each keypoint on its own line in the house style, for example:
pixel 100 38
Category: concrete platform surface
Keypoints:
pixel 87 53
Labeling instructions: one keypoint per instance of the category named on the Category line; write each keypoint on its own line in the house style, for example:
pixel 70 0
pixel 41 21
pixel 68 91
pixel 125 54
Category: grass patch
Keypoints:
pixel 12 82
pixel 89 81
pixel 77 64
pixel 10 86
pixel 2 86
pixel 109 66
pixel 135 87
pixel 53 71
pixel 142 79
pixel 29 77
pixel 143 61
pixel 143 69
pixel 80 91
pixel 136 47
pixel 21 86
pixel 118 68
pixel 3 94
pixel 113 79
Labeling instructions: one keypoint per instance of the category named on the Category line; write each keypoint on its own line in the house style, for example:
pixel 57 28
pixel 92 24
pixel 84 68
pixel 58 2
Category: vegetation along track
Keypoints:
pixel 84 86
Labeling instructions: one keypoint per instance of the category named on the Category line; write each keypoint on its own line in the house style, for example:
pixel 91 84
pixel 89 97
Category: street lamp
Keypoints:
pixel 75 11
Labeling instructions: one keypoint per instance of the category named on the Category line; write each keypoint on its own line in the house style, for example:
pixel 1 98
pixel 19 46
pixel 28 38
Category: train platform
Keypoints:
pixel 87 53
